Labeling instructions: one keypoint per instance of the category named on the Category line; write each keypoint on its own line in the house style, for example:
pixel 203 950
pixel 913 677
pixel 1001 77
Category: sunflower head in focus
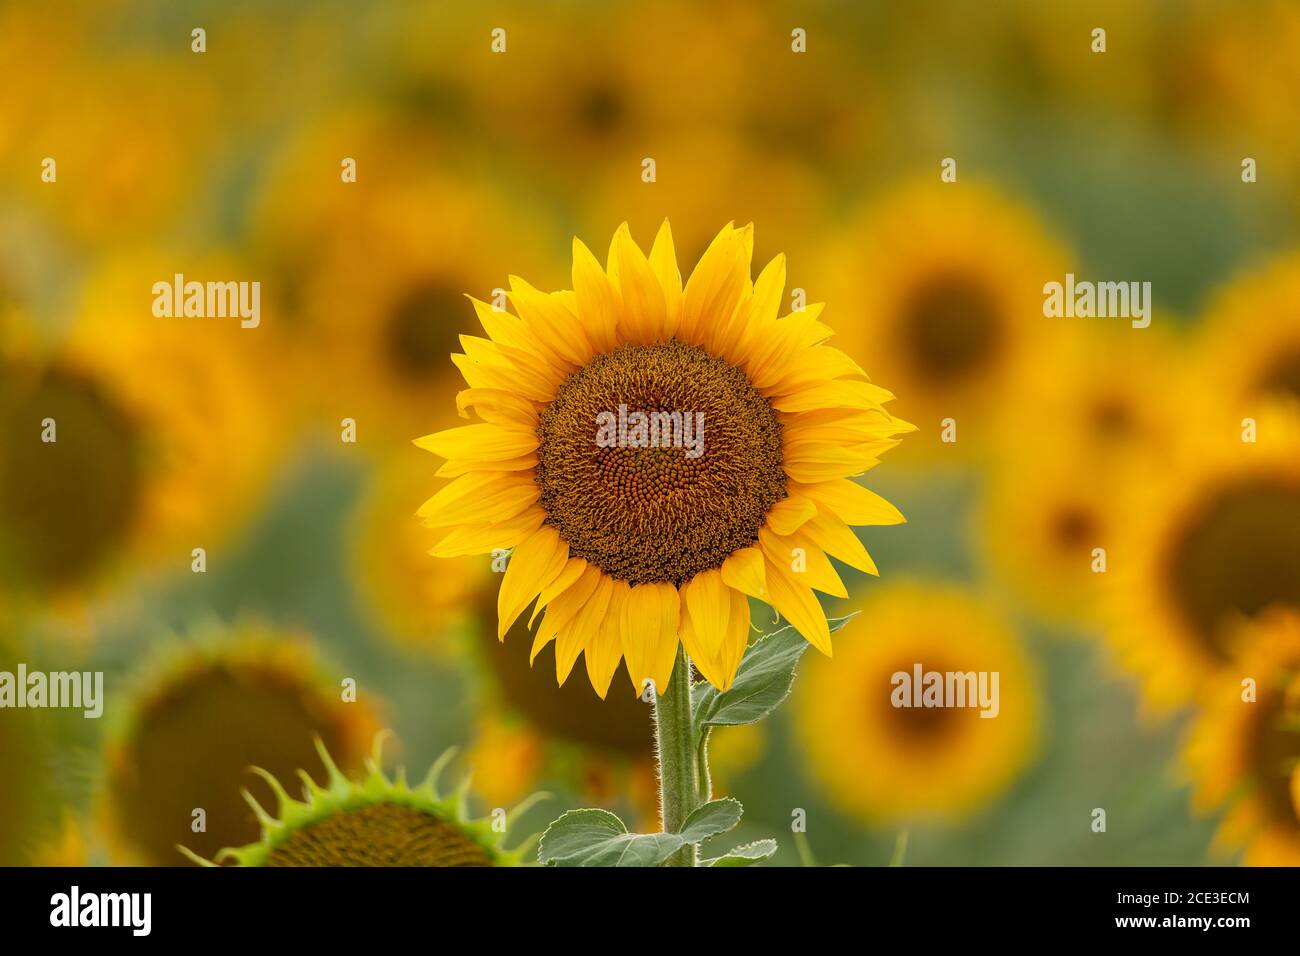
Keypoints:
pixel 888 764
pixel 1243 752
pixel 629 544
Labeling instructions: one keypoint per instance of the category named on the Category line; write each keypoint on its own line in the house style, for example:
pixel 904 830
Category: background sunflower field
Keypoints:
pixel 926 168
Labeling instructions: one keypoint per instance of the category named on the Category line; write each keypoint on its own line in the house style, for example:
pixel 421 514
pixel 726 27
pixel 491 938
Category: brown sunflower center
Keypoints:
pixel 675 497
pixel 1239 554
pixel 423 329
pixel 1282 375
pixel 194 746
pixel 951 328
pixel 918 725
pixel 385 834
pixel 1073 527
pixel 601 108
pixel 64 503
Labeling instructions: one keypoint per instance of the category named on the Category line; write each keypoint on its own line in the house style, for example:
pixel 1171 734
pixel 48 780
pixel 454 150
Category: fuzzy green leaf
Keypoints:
pixel 763 680
pixel 599 838
pixel 746 855
pixel 710 819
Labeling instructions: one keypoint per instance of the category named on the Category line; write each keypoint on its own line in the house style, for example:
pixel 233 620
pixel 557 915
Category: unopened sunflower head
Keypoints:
pixel 373 821
pixel 656 453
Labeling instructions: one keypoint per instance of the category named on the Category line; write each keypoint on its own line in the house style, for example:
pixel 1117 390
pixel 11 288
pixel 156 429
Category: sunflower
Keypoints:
pixel 200 717
pixel 948 283
pixel 179 456
pixel 887 764
pixel 125 135
pixel 371 334
pixel 1243 752
pixel 1250 340
pixel 630 548
pixel 1213 540
pixel 1104 401
pixel 597 109
pixel 373 821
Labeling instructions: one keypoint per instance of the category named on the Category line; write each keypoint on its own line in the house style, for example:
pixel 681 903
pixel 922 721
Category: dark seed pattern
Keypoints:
pixel 654 514
pixel 385 834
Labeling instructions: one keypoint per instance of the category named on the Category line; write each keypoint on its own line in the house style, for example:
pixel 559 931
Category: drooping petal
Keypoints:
pixel 604 647
pixel 534 564
pixel 796 603
pixel 649 631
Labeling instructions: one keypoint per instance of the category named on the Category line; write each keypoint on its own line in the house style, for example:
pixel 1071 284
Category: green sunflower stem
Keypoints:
pixel 679 776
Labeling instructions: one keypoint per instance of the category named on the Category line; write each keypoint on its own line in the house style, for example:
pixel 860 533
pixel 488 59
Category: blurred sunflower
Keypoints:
pixel 179 454
pixel 420 605
pixel 1250 340
pixel 127 132
pixel 885 764
pixel 1040 524
pixel 1244 750
pixel 947 282
pixel 201 716
pixel 1214 539
pixel 1106 402
pixel 373 333
pixel 634 80
pixel 373 821
pixel 631 549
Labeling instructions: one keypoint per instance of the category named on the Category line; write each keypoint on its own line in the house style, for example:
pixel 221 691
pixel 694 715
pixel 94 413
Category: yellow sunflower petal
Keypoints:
pixel 743 571
pixel 481 442
pixel 649 631
pixel 578 634
pixel 789 514
pixel 796 602
pixel 837 539
pixel 663 259
pixel 573 569
pixel 816 569
pixel 562 610
pixel 645 312
pixel 484 538
pixel 551 320
pixel 851 502
pixel 597 299
pixel 534 564
pixel 604 648
pixel 735 641
pixel 716 285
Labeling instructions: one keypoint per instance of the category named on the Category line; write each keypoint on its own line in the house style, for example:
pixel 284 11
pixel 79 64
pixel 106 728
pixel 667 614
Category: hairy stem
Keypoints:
pixel 679 784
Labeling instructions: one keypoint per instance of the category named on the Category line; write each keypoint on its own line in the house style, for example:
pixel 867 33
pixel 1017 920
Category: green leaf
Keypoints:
pixel 599 838
pixel 746 855
pixel 763 680
pixel 710 819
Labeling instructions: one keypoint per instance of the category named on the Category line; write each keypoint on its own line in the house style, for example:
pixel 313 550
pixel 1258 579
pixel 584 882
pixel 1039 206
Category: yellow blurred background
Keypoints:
pixel 1115 528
